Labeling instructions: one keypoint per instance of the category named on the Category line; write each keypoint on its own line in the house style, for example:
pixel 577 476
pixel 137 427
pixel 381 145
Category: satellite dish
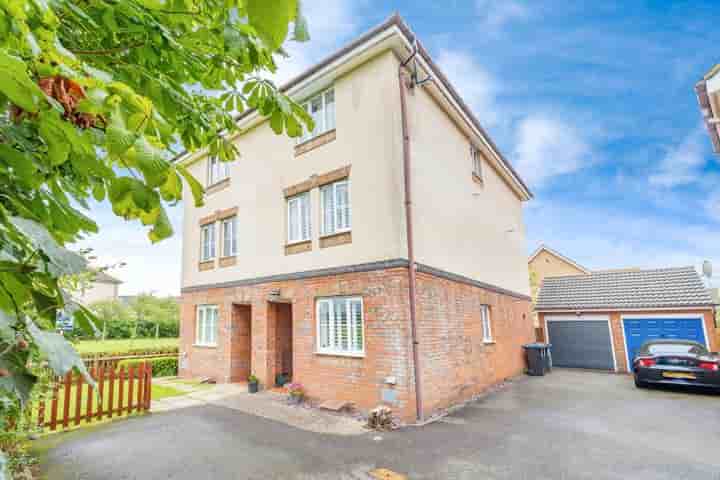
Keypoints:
pixel 707 268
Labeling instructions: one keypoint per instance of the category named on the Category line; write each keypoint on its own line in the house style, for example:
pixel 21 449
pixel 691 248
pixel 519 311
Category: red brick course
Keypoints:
pixel 617 329
pixel 455 362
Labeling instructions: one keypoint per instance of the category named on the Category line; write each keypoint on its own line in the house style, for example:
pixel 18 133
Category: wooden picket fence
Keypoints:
pixel 72 400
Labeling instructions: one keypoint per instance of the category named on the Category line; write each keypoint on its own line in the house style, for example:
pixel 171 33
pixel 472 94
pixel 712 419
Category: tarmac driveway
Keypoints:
pixel 570 424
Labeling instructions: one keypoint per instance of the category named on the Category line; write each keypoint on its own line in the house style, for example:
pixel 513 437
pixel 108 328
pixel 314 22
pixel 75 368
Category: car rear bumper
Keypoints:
pixel 704 379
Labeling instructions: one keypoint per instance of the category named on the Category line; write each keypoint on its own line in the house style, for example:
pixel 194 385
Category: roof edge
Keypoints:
pixel 560 256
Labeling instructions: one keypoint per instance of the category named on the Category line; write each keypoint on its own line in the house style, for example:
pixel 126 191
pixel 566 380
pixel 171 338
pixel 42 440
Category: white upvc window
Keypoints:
pixel 217 170
pixel 486 327
pixel 322 110
pixel 229 233
pixel 336 212
pixel 207 242
pixel 298 214
pixel 206 326
pixel 340 326
pixel 476 162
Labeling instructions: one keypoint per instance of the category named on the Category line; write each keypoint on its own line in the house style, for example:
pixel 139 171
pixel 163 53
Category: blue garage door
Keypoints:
pixel 639 330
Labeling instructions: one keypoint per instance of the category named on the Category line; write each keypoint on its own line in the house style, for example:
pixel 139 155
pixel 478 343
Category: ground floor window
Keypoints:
pixel 486 327
pixel 207 323
pixel 340 328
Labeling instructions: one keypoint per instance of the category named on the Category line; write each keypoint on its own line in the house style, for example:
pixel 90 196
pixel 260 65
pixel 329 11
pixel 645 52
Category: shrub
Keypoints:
pixel 161 366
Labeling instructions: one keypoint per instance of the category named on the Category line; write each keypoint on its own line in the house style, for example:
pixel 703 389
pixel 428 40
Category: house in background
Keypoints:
pixel 708 94
pixel 599 320
pixel 546 262
pixel 103 287
pixel 300 261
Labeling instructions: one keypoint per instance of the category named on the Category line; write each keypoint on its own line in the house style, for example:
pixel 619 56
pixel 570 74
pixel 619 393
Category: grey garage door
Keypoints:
pixel 580 344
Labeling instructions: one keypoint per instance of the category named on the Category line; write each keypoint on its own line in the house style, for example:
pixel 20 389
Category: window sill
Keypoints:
pixel 489 342
pixel 315 142
pixel 202 345
pixel 334 239
pixel 298 247
pixel 206 265
pixel 228 261
pixel 217 186
pixel 341 354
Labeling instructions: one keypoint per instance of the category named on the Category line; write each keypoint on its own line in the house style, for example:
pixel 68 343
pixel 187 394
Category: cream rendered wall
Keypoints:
pixel 368 138
pixel 98 292
pixel 460 226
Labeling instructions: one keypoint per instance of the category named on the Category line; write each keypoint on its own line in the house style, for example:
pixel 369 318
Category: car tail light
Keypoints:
pixel 713 366
pixel 646 362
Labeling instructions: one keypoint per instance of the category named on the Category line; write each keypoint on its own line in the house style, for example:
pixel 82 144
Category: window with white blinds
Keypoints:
pixel 207 325
pixel 298 214
pixel 340 328
pixel 207 242
pixel 229 232
pixel 336 212
pixel 217 170
pixel 486 327
pixel 476 161
pixel 322 110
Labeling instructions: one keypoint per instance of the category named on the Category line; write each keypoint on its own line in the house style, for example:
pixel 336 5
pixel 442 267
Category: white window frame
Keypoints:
pixel 217 170
pixel 324 125
pixel 212 243
pixel 476 162
pixel 332 230
pixel 334 350
pixel 486 323
pixel 232 222
pixel 202 338
pixel 305 196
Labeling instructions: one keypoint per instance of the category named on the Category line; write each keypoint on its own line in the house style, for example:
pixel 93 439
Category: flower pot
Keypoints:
pixel 281 379
pixel 253 387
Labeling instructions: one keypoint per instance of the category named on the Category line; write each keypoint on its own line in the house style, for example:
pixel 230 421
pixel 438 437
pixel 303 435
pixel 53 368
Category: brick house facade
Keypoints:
pixel 277 279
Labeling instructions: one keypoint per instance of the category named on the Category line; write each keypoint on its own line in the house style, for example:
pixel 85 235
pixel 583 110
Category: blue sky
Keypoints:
pixel 592 102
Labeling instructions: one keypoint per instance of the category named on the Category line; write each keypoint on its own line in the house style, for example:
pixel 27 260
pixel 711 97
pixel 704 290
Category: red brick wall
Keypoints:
pixel 456 364
pixel 617 329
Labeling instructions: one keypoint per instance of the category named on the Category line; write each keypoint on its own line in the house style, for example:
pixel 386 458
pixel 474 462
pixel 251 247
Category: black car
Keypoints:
pixel 676 362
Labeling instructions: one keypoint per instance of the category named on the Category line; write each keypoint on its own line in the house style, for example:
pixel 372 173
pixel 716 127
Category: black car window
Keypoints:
pixel 675 348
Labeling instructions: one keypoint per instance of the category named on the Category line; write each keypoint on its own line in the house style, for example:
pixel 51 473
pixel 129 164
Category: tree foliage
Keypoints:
pixel 96 96
pixel 144 316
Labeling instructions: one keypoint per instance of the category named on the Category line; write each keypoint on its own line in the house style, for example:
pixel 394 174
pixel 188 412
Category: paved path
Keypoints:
pixel 569 425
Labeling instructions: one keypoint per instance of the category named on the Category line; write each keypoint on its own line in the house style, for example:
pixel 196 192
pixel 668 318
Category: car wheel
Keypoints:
pixel 640 384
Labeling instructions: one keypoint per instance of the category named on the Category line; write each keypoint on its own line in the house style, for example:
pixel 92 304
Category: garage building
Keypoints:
pixel 599 320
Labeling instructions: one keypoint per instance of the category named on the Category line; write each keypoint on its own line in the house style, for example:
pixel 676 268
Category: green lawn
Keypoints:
pixel 125 347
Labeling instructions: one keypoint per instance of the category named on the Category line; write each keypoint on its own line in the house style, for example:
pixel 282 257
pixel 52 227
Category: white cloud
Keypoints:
pixel 546 147
pixel 682 164
pixel 476 86
pixel 330 24
pixel 495 14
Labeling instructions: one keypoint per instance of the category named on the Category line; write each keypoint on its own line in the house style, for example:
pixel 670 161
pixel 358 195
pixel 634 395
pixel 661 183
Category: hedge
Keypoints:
pixel 161 366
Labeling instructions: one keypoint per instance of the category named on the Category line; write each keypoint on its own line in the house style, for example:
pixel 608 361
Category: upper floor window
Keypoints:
pixel 335 201
pixel 229 233
pixel 206 325
pixel 340 329
pixel 217 170
pixel 322 110
pixel 476 162
pixel 486 327
pixel 207 242
pixel 298 213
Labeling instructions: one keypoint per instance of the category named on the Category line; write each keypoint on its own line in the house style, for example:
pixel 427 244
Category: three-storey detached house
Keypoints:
pixel 378 259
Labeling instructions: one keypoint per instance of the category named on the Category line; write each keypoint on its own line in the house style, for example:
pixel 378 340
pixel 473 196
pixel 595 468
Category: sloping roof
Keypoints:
pixel 659 288
pixel 102 277
pixel 562 257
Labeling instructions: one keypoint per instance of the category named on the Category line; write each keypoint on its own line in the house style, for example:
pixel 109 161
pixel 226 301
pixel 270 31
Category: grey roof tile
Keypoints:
pixel 658 288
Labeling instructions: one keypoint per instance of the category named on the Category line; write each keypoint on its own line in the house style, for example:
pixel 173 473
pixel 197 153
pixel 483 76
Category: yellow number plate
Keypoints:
pixel 688 376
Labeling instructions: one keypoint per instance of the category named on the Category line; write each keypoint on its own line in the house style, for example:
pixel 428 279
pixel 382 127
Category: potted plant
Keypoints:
pixel 296 393
pixel 253 384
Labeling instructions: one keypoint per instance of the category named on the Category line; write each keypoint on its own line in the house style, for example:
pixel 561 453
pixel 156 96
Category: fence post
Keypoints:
pixel 148 386
pixel 66 399
pixel 41 414
pixel 101 391
pixel 131 379
pixel 121 390
pixel 141 381
pixel 111 392
pixel 89 409
pixel 78 398
pixel 54 406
